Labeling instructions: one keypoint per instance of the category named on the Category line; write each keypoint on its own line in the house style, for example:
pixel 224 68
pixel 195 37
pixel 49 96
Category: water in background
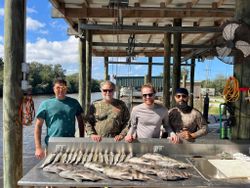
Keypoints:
pixel 29 159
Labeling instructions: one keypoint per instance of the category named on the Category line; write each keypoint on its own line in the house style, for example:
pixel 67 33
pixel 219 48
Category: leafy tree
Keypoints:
pixel 41 77
pixel 218 83
pixel 73 83
pixel 95 85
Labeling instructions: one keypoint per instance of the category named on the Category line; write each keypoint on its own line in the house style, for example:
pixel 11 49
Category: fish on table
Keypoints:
pixel 172 174
pixel 87 174
pixel 49 159
pixel 69 175
pixel 95 166
pixel 122 173
pixel 165 161
pixel 106 157
pixel 122 157
pixel 79 157
pixel 84 157
pixel 146 169
pixel 140 160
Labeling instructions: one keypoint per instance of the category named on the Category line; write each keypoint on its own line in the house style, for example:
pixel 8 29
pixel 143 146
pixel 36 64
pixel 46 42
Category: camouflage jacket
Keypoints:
pixel 192 121
pixel 108 120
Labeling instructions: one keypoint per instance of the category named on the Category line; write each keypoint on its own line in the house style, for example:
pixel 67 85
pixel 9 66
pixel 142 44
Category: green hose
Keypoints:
pixel 222 128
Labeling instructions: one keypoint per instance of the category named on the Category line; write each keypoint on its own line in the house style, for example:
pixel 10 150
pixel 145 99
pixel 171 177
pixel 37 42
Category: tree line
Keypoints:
pixel 41 77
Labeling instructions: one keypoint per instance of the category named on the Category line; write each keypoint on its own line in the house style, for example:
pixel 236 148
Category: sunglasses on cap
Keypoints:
pixel 107 90
pixel 148 94
pixel 178 96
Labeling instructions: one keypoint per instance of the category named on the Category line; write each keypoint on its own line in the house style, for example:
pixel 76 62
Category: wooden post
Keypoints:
pixel 177 61
pixel 82 72
pixel 106 68
pixel 88 69
pixel 241 129
pixel 184 78
pixel 166 70
pixel 149 76
pixel 191 97
pixel 14 53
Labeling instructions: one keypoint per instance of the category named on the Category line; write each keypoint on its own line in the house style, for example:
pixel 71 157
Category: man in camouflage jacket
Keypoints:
pixel 108 117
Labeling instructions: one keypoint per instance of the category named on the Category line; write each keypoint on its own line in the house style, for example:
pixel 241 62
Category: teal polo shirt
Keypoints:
pixel 59 116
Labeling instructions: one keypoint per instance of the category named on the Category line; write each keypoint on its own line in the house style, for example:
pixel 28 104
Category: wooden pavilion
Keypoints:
pixel 182 29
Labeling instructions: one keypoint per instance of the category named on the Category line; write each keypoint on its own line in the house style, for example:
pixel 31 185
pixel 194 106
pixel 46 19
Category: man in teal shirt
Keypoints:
pixel 59 114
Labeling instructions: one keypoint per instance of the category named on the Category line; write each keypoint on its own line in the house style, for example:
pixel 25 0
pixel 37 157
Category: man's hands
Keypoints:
pixel 174 138
pixel 129 138
pixel 118 137
pixel 96 138
pixel 185 134
pixel 39 153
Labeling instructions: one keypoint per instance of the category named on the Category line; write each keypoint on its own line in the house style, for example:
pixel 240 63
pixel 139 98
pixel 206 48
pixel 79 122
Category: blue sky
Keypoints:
pixel 47 42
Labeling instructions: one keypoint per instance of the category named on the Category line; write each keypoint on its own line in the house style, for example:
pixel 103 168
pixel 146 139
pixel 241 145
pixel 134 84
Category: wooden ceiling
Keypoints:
pixel 113 23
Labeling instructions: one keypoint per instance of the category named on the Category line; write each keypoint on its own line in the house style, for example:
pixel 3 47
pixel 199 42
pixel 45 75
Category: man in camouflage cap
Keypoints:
pixel 107 117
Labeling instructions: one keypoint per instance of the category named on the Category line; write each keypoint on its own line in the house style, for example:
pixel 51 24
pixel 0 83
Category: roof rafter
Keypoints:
pixel 137 12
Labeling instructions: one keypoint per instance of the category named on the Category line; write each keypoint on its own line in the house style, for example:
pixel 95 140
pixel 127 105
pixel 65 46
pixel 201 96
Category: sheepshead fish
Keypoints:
pixel 57 158
pixel 146 169
pixel 64 158
pixel 69 175
pixel 100 158
pixel 90 157
pixel 84 157
pixel 79 157
pixel 70 155
pixel 130 155
pixel 122 158
pixel 172 174
pixel 165 161
pixel 62 166
pixel 122 173
pixel 95 166
pixel 51 168
pixel 117 157
pixel 87 174
pixel 106 157
pixel 49 159
pixel 111 158
pixel 95 157
pixel 140 160
pixel 74 156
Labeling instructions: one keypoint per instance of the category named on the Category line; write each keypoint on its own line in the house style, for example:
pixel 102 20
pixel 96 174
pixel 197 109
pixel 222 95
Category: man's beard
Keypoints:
pixel 184 107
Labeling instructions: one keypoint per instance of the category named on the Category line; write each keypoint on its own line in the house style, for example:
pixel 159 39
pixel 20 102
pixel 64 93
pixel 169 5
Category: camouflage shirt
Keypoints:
pixel 192 121
pixel 108 120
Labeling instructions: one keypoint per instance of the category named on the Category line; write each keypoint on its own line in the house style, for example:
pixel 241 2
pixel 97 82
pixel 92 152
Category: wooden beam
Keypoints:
pixel 149 45
pixel 152 29
pixel 142 63
pixel 14 55
pixel 187 54
pixel 143 12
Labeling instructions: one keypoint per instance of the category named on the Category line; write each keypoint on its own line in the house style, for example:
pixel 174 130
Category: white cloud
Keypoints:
pixel 33 25
pixel 53 52
pixel 64 53
pixel 1 46
pixel 31 10
pixel 1 12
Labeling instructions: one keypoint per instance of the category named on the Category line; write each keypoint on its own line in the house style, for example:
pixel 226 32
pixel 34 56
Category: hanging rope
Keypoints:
pixel 231 90
pixel 26 110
